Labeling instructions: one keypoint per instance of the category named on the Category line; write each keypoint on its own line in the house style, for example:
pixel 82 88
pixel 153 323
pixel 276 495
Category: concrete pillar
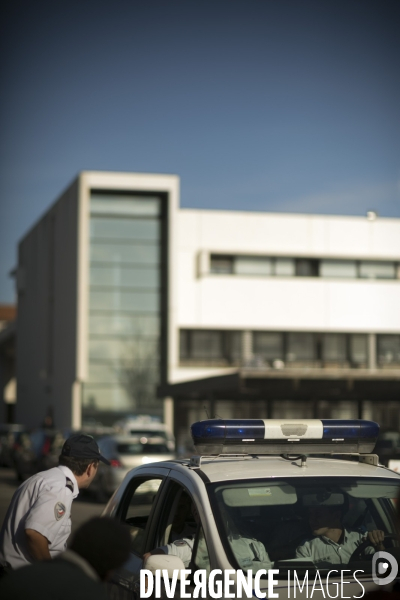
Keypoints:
pixel 169 413
pixel 76 412
pixel 247 346
pixel 372 362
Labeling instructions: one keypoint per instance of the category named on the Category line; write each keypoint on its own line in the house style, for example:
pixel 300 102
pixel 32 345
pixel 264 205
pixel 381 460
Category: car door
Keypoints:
pixel 136 508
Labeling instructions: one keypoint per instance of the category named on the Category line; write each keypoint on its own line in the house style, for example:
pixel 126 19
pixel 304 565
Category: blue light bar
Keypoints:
pixel 280 436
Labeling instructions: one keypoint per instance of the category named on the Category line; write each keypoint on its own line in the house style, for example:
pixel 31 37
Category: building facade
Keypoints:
pixel 128 303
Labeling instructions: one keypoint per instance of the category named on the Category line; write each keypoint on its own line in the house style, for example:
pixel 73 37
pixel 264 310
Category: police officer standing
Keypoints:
pixel 38 522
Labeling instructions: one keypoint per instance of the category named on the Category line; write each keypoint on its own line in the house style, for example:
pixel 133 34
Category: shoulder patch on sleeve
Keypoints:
pixel 180 543
pixel 69 484
pixel 59 511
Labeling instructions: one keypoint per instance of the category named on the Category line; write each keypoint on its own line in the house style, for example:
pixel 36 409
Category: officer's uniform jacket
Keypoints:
pixel 323 549
pixel 249 553
pixel 42 503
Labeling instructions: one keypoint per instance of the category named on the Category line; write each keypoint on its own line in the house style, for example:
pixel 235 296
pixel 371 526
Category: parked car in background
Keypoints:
pixel 145 426
pixel 124 453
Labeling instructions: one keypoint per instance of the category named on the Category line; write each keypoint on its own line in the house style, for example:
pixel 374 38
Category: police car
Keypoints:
pixel 304 503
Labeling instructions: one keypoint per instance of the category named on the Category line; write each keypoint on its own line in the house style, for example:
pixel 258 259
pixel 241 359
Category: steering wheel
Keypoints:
pixel 359 551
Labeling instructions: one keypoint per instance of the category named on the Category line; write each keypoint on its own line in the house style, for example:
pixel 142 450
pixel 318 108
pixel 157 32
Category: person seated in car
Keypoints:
pixel 249 553
pixel 333 543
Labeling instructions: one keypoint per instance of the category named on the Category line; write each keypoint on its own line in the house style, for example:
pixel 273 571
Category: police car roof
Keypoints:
pixel 232 468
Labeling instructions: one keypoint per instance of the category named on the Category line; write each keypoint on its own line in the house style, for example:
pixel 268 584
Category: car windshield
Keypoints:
pixel 139 448
pixel 301 523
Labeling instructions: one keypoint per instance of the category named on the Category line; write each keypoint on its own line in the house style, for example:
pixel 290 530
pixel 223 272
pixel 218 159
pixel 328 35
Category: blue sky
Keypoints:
pixel 273 105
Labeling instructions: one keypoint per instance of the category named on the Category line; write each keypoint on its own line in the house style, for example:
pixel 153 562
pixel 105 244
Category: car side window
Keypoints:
pixel 137 506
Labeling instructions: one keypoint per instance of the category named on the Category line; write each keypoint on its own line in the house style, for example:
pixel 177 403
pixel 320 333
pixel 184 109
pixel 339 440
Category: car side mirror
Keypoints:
pixel 165 562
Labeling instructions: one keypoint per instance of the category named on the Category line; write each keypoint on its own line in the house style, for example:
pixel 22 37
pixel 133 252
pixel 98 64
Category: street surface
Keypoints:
pixel 83 508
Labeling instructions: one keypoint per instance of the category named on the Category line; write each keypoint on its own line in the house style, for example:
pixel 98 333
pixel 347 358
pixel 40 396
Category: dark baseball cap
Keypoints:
pixel 80 445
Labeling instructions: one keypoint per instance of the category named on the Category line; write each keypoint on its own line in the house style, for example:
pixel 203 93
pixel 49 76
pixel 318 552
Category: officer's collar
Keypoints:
pixel 68 473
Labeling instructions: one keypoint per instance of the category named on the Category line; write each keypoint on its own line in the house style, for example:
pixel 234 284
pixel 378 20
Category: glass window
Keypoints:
pixel 222 265
pixel 122 276
pixel 276 522
pixel 184 344
pixel 123 325
pixel 123 351
pixel 122 300
pixel 124 229
pixel 285 267
pixel 300 347
pixel 334 347
pixel 389 349
pixel 138 504
pixel 268 345
pixel 252 265
pixel 358 348
pixel 377 270
pixel 103 373
pixel 233 345
pixel 101 397
pixel 306 267
pixel 126 204
pixel 145 254
pixel 338 268
pixel 206 345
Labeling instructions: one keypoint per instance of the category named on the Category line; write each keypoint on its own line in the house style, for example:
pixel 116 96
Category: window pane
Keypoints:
pixel 116 204
pixel 247 265
pixel 389 349
pixel 301 347
pixel 221 264
pixel 338 268
pixel 146 254
pixel 184 344
pixel 268 345
pixel 123 300
pixel 101 397
pixel 138 512
pixel 334 347
pixel 377 270
pixel 123 351
pixel 124 229
pixel 233 344
pixel 261 507
pixel 285 267
pixel 121 276
pixel 306 267
pixel 358 349
pixel 115 324
pixel 103 373
pixel 206 344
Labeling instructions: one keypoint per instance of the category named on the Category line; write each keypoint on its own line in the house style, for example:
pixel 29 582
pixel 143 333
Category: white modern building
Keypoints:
pixel 129 303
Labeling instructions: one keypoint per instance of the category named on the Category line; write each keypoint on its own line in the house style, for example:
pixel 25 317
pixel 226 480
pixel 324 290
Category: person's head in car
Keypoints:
pixel 323 518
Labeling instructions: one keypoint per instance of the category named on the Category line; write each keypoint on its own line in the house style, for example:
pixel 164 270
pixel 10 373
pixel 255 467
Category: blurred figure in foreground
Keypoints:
pixel 97 548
